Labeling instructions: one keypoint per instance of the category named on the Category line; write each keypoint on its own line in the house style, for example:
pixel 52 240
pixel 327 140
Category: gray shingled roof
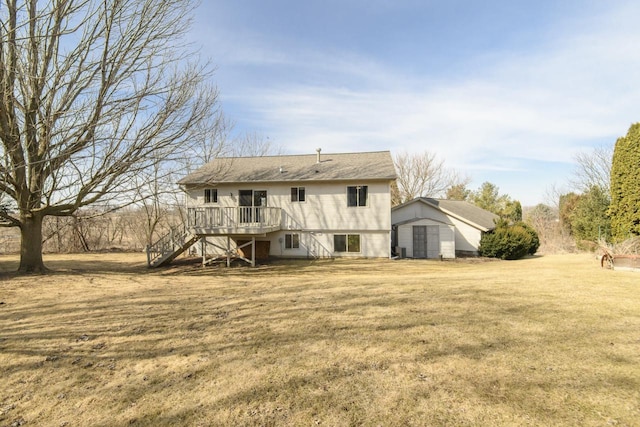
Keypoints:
pixel 464 211
pixel 467 211
pixel 332 167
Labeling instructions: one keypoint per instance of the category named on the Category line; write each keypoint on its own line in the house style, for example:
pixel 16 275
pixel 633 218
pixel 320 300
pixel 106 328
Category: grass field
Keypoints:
pixel 103 341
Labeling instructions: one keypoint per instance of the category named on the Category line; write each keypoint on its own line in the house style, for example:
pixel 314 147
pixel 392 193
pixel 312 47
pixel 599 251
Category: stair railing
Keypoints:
pixel 170 242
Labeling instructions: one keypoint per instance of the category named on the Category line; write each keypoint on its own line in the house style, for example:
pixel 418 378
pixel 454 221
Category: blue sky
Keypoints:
pixel 502 91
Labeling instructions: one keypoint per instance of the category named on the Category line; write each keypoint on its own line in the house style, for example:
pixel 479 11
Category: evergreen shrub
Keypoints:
pixel 509 241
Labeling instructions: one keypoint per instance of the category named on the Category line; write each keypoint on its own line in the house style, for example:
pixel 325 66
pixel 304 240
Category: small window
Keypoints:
pixel 346 243
pixel 357 195
pixel 298 194
pixel 292 241
pixel 211 195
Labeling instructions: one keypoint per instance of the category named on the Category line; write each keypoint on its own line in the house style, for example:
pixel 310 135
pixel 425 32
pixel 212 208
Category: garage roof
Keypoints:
pixel 464 211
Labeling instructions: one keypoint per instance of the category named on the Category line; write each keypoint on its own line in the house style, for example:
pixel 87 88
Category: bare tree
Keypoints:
pixel 92 93
pixel 252 144
pixel 422 175
pixel 593 169
pixel 156 191
pixel 396 198
pixel 213 144
pixel 161 202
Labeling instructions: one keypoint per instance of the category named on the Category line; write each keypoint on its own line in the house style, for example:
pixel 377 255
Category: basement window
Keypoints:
pixel 346 243
pixel 292 241
pixel 211 195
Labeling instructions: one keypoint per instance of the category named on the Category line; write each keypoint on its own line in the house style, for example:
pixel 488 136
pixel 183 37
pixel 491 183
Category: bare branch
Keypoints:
pixel 422 175
pixel 593 169
pixel 253 144
pixel 93 93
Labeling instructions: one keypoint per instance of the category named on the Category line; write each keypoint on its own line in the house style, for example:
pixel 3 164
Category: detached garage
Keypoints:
pixel 434 228
pixel 425 238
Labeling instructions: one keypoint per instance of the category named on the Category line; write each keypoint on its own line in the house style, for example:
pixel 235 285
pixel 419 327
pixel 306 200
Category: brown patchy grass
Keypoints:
pixel 551 340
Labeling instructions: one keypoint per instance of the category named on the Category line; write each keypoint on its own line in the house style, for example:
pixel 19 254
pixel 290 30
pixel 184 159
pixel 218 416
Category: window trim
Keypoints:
pixel 358 196
pixel 293 240
pixel 347 236
pixel 207 198
pixel 295 194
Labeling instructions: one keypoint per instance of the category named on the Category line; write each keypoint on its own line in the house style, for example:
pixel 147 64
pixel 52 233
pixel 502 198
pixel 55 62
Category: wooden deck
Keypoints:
pixel 233 221
pixel 245 222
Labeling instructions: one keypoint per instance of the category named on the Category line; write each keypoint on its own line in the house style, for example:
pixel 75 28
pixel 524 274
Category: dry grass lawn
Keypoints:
pixel 103 341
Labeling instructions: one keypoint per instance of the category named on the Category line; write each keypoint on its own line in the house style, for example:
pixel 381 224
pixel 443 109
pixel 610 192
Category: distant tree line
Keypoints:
pixel 604 205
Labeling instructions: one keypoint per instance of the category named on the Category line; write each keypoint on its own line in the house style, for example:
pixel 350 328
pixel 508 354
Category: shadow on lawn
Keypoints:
pixel 147 324
pixel 192 267
pixel 115 345
pixel 83 263
pixel 94 262
pixel 121 347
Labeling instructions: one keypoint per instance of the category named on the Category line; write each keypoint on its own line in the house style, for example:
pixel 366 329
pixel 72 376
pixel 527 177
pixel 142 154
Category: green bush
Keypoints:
pixel 535 240
pixel 509 241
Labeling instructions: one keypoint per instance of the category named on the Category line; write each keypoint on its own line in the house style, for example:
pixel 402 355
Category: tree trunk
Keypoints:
pixel 31 245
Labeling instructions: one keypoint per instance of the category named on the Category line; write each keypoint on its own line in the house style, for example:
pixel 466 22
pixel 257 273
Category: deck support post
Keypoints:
pixel 203 251
pixel 253 252
pixel 228 251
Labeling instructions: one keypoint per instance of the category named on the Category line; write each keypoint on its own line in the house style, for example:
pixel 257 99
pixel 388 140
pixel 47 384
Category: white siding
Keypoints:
pixel 315 245
pixel 467 237
pixel 323 214
pixel 419 210
pixel 447 241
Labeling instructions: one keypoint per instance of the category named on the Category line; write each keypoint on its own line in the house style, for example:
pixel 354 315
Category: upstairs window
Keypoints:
pixel 298 194
pixel 357 195
pixel 211 195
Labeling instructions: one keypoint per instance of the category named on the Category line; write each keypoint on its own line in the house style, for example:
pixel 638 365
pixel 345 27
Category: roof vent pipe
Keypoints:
pixel 318 150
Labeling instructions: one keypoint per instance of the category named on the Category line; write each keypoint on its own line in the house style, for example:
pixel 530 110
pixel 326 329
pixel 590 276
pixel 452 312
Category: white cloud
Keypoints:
pixel 576 90
pixel 538 104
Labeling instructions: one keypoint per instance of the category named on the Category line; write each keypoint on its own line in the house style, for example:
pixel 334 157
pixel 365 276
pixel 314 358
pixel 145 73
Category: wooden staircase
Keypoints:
pixel 169 246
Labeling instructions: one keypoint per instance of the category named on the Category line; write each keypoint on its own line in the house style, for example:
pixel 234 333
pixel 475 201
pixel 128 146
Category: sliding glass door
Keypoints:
pixel 249 202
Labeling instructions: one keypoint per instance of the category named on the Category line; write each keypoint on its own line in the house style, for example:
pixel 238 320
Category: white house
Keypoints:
pixel 318 205
pixel 434 228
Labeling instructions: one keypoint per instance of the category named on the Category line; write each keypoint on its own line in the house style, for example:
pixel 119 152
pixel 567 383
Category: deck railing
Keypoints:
pixel 233 217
